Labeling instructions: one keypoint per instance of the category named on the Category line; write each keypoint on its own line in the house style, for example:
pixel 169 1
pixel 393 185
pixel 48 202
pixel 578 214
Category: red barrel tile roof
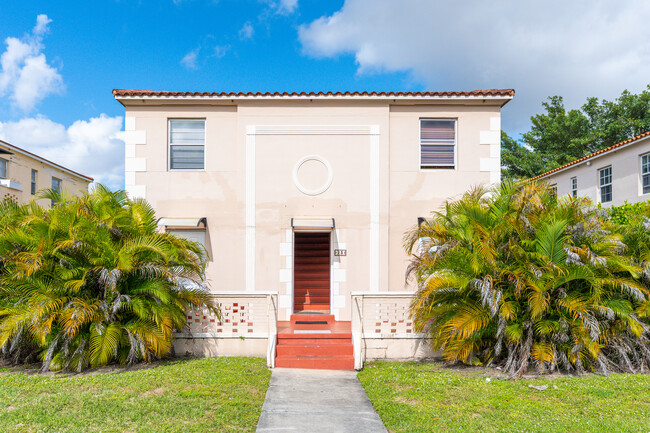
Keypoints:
pixel 489 92
pixel 592 155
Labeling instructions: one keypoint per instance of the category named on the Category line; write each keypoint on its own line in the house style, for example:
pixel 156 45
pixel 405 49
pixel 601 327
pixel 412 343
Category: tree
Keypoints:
pixel 92 281
pixel 518 277
pixel 559 136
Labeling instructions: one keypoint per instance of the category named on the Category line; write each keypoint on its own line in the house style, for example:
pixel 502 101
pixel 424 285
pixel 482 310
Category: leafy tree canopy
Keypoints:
pixel 516 277
pixel 559 136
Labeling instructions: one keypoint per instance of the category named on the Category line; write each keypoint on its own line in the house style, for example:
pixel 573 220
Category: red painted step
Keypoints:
pixel 316 362
pixel 329 318
pixel 315 349
pixel 328 346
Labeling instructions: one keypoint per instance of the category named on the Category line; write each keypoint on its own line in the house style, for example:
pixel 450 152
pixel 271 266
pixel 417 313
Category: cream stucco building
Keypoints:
pixel 611 176
pixel 23 174
pixel 302 200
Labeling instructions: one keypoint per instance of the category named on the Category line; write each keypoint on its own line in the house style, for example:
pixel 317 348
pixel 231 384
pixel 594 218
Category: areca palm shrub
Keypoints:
pixel 92 281
pixel 516 277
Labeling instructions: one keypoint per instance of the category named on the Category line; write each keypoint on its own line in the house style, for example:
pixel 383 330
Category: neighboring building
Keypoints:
pixel 302 201
pixel 611 176
pixel 23 174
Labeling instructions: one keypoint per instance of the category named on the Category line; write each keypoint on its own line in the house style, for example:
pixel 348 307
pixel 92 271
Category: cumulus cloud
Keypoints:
pixel 575 49
pixel 25 74
pixel 246 32
pixel 93 147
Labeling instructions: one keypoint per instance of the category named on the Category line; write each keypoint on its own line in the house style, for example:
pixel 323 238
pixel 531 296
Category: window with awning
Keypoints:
pixel 193 229
pixel 437 143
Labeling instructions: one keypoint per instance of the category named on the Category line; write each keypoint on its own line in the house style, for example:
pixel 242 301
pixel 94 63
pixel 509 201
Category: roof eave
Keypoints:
pixel 596 155
pixel 47 162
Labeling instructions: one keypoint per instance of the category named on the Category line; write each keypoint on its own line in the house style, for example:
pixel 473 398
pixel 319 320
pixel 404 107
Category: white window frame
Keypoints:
pixel 437 168
pixel 52 202
pixel 169 144
pixel 5 162
pixel 33 179
pixel 610 184
pixel 646 155
pixel 574 186
pixel 60 183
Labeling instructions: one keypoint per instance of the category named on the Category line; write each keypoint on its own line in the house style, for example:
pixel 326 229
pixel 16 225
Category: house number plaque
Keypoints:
pixel 340 253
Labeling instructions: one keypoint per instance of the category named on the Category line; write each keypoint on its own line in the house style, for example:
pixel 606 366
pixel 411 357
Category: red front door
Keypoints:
pixel 311 272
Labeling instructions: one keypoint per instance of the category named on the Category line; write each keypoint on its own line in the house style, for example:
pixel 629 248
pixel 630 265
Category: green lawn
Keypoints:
pixel 426 397
pixel 192 395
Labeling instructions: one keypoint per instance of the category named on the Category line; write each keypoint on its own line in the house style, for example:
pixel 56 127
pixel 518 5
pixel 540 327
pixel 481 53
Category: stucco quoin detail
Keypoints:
pixel 314 191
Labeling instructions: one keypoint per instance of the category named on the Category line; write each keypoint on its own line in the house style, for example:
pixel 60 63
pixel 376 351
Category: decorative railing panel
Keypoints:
pixel 243 315
pixel 380 315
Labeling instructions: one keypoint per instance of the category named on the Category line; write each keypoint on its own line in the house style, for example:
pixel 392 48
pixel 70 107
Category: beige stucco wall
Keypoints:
pixel 377 192
pixel 220 346
pixel 626 175
pixel 19 171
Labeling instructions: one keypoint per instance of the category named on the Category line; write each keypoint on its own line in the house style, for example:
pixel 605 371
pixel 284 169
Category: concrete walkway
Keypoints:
pixel 315 401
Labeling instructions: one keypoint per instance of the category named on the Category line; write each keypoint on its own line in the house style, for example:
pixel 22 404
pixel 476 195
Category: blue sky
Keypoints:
pixel 60 60
pixel 140 44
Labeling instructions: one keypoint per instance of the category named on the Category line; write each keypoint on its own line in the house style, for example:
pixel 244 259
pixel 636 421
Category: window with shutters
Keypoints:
pixel 438 144
pixel 605 184
pixel 186 144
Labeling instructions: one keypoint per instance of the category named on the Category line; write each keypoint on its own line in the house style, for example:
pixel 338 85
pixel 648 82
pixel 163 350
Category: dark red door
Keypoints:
pixel 311 272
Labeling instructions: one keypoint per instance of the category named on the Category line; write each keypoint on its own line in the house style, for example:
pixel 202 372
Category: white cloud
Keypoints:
pixel 190 59
pixel 25 74
pixel 92 147
pixel 221 50
pixel 575 49
pixel 283 7
pixel 42 23
pixel 246 32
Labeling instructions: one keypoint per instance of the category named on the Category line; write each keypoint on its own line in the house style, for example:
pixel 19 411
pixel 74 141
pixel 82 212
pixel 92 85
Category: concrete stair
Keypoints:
pixel 315 341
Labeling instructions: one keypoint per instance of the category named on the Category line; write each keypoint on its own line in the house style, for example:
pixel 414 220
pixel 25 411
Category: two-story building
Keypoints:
pixel 302 201
pixel 612 176
pixel 23 174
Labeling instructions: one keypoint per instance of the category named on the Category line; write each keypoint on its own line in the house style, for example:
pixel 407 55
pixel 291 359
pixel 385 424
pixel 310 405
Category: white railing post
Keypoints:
pixel 357 331
pixel 272 315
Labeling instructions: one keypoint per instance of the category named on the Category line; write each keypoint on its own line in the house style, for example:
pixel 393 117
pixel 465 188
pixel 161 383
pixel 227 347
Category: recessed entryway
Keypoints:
pixel 311 272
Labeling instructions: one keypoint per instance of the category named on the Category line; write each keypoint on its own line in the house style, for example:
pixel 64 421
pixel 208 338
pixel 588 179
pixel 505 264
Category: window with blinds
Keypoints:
pixel 438 143
pixel 186 144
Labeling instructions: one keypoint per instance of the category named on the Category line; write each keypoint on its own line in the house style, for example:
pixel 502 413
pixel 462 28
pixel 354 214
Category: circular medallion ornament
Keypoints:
pixel 320 161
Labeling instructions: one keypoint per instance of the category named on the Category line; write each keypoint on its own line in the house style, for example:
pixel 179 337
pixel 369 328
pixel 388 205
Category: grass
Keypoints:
pixel 192 395
pixel 427 397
